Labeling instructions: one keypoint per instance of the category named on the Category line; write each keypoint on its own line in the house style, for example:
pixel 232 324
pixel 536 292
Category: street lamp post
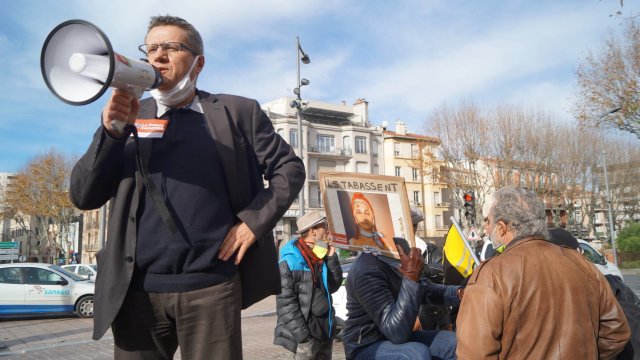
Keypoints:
pixel 297 103
pixel 608 194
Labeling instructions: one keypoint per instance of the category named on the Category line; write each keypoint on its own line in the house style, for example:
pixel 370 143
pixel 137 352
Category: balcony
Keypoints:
pixel 443 204
pixel 331 153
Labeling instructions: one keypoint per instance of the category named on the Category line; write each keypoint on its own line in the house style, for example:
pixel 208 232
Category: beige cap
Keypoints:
pixel 309 220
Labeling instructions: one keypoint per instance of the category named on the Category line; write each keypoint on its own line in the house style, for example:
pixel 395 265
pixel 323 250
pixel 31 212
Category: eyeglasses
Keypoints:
pixel 169 47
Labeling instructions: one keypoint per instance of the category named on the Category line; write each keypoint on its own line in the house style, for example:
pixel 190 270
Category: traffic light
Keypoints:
pixel 469 206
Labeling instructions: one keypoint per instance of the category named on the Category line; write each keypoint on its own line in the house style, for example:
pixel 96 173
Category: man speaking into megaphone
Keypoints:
pixel 179 66
pixel 189 239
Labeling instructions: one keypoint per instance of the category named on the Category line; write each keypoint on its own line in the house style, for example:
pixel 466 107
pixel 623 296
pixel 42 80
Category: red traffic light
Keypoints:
pixel 468 197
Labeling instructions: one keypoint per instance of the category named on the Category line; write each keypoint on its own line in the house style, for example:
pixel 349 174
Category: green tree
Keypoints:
pixel 629 238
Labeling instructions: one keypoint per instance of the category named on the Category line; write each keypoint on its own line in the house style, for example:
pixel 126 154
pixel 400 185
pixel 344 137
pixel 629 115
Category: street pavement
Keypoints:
pixel 68 337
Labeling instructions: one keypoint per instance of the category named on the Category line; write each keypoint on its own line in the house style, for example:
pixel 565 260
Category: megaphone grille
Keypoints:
pixel 68 38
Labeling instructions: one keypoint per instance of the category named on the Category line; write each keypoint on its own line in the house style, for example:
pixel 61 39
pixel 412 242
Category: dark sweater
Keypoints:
pixel 185 168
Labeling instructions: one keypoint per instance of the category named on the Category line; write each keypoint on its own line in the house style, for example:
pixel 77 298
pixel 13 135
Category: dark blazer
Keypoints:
pixel 249 150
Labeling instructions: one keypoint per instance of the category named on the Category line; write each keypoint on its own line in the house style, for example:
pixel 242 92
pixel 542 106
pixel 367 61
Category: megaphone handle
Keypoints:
pixel 136 91
pixel 119 125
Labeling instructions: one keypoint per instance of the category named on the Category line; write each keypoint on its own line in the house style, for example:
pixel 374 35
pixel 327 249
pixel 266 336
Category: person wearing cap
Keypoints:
pixel 627 299
pixel 432 316
pixel 536 300
pixel 416 217
pixel 366 232
pixel 309 273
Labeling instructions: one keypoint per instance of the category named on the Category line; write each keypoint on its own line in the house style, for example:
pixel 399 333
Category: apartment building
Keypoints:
pixel 9 230
pixel 412 156
pixel 335 137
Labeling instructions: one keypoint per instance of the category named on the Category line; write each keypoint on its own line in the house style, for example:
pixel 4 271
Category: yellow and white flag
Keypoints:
pixel 457 254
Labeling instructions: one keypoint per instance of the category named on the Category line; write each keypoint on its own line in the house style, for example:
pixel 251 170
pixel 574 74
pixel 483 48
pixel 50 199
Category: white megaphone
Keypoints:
pixel 78 64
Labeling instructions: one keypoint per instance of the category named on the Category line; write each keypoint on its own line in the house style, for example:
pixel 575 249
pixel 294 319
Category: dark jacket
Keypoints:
pixel 293 304
pixel 248 149
pixel 382 305
pixel 630 304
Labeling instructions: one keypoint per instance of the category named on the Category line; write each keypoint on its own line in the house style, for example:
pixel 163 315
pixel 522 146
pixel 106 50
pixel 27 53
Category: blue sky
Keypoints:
pixel 405 58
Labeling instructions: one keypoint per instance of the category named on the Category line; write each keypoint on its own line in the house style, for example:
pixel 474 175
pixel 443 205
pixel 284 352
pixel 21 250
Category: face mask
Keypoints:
pixel 178 93
pixel 496 244
pixel 320 251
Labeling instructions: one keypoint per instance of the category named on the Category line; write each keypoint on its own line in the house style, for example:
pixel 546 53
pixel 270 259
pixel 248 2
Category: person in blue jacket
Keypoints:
pixel 309 273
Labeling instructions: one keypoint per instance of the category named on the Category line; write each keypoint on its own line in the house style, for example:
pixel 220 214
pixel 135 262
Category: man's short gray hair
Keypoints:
pixel 193 36
pixel 521 210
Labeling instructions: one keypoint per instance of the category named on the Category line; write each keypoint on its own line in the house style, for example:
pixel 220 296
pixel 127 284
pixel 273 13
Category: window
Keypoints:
pixel 42 276
pixel 396 149
pixel 326 143
pixel 10 276
pixel 280 132
pixel 439 224
pixel 361 145
pixel 84 271
pixel 591 254
pixel 346 144
pixel 398 171
pixel 293 137
pixel 416 197
pixel 414 174
pixel 18 232
pixel 374 148
pixel 436 197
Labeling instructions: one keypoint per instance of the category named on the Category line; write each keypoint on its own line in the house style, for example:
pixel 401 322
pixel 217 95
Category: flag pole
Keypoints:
pixel 464 239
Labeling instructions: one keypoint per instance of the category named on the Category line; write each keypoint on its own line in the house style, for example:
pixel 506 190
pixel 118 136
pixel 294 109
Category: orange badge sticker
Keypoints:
pixel 151 128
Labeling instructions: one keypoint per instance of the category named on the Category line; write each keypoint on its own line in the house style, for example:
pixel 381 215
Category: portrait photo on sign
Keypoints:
pixel 365 212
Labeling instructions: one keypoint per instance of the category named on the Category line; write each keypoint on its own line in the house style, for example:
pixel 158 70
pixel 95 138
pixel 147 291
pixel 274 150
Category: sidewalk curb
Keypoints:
pixel 630 271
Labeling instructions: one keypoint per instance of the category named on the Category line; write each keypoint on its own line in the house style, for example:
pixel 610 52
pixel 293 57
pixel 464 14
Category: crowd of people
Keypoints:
pixel 190 245
pixel 539 299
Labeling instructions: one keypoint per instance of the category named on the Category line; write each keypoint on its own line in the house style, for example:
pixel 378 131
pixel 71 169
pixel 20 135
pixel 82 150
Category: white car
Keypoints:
pixel 85 270
pixel 37 288
pixel 599 260
pixel 340 298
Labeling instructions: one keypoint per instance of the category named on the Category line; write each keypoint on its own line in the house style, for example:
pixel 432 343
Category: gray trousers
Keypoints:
pixel 314 349
pixel 202 322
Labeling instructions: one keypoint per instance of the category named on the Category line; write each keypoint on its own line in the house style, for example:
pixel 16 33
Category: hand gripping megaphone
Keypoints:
pixel 78 65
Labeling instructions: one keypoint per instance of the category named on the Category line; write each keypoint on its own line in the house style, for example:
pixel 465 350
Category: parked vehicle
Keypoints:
pixel 599 260
pixel 340 298
pixel 37 288
pixel 85 270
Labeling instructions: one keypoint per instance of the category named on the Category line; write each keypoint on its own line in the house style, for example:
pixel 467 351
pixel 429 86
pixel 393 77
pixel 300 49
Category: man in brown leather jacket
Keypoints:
pixel 536 300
